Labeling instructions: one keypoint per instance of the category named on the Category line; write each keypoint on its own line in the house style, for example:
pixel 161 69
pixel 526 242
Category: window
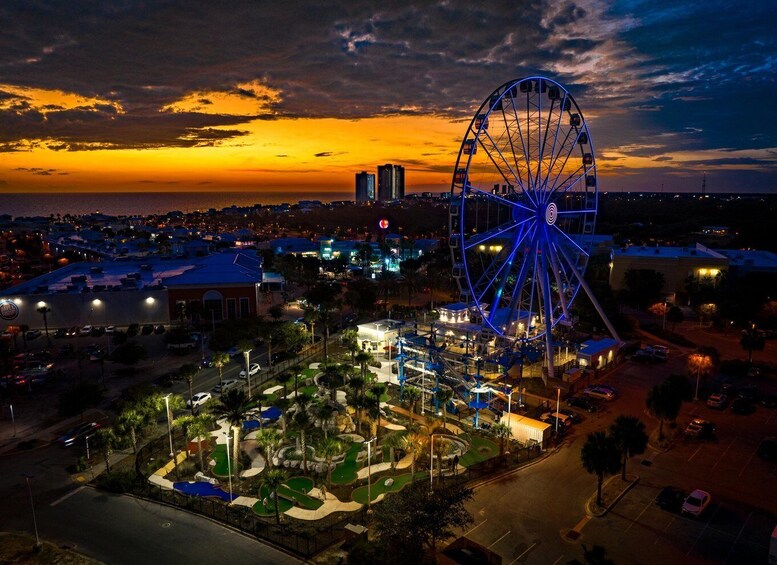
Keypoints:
pixel 212 308
pixel 245 308
pixel 231 308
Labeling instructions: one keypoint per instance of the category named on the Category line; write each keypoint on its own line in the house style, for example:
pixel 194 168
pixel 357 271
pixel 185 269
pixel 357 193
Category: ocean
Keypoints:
pixel 146 203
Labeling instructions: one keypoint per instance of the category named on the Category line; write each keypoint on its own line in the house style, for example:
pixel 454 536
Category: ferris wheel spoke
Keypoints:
pixel 492 233
pixel 555 137
pixel 497 198
pixel 486 278
pixel 555 268
pixel 512 148
pixel 544 143
pixel 555 157
pixel 501 281
pixel 520 282
pixel 574 212
pixel 558 193
pixel 515 177
pixel 566 159
pixel 525 150
pixel 572 241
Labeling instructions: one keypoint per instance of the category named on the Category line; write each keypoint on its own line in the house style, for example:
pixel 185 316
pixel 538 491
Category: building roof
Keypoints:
pixel 750 258
pixel 220 269
pixel 596 346
pixel 667 252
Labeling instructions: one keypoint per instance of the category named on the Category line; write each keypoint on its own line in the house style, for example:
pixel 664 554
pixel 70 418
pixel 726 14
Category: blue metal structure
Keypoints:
pixel 523 210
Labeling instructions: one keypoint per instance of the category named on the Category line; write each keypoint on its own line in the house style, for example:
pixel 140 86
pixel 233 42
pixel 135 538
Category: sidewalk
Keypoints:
pixel 8 442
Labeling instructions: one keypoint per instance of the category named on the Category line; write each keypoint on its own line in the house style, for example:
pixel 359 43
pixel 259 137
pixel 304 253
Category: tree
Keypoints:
pixel 393 441
pixel 413 444
pixel 44 311
pixel 283 379
pixel 199 427
pixel 629 434
pixel 674 316
pixel 293 336
pixel 220 359
pixel 276 312
pixel 105 441
pixel 364 358
pixel 361 296
pixel 502 432
pixel 376 391
pixel 412 396
pixel 413 282
pixel 131 421
pixel 273 479
pixel 444 396
pixel 441 447
pixel 187 372
pixel 600 457
pixel 350 340
pixel 232 405
pixel 663 403
pixel 330 448
pixel 129 353
pixel 416 518
pixel 301 423
pixel 752 340
pixel 268 439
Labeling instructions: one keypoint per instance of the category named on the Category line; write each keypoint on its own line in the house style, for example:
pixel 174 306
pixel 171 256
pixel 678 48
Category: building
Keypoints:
pixel 119 293
pixel 391 182
pixel 365 187
pixel 676 264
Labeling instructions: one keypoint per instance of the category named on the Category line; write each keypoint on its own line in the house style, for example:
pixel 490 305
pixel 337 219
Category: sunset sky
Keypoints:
pixel 268 96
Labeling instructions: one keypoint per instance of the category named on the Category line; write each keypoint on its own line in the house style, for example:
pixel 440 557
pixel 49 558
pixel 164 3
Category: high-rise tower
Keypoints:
pixel 391 182
pixel 365 187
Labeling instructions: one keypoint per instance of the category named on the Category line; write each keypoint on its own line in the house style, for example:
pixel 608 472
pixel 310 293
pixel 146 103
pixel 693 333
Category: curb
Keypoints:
pixel 506 474
pixel 623 492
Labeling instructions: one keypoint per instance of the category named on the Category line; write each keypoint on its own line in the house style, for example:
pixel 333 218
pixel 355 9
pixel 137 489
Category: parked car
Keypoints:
pixel 742 406
pixel 671 498
pixel 159 329
pixel 148 329
pixel 72 332
pixel 198 399
pixel 660 351
pixel 226 385
pixel 110 330
pixel 81 430
pixel 252 370
pixel 767 449
pixel 696 503
pixel 574 416
pixel 60 332
pixel 749 392
pixel 582 402
pixel 86 330
pixel 551 417
pixel 206 362
pixel 701 429
pixel 600 391
pixel 132 330
pixel 769 400
pixel 32 334
pixel 97 331
pixel 646 356
pixel 717 400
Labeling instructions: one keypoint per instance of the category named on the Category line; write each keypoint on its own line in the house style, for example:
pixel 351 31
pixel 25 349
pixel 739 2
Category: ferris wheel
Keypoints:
pixel 523 210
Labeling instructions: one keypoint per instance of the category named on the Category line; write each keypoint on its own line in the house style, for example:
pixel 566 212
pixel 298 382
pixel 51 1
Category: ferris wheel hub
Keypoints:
pixel 551 213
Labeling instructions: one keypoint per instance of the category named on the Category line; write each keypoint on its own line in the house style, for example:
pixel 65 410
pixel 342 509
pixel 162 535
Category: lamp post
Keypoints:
pixel 169 424
pixel 369 470
pixel 431 463
pixel 558 405
pixel 32 505
pixel 13 420
pixel 247 358
pixel 229 468
pixel 663 324
pixel 509 405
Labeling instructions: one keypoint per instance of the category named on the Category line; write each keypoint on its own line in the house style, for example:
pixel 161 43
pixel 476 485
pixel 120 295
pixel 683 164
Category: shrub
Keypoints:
pixel 119 481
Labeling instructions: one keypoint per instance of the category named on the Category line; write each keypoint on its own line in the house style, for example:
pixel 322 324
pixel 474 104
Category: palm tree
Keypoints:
pixel 377 390
pixel 412 281
pixel 412 396
pixel 502 432
pixel 301 422
pixel 44 311
pixel 283 379
pixel 444 396
pixel 600 456
pixel 393 441
pixel 441 447
pixel 268 439
pixel 324 411
pixel 131 420
pixel 413 444
pixel 187 372
pixel 330 448
pixel 105 441
pixel 273 479
pixel 232 405
pixel 350 339
pixel 184 423
pixel 199 426
pixel 334 375
pixel 372 405
pixel 663 403
pixel 629 434
pixel 363 358
pixel 220 359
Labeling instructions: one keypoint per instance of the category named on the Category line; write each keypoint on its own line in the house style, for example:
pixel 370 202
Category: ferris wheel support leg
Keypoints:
pixel 545 290
pixel 598 307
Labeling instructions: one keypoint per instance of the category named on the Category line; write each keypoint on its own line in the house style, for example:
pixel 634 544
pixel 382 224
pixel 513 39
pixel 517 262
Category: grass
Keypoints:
pixel 346 471
pixel 379 487
pixel 480 449
pixel 220 456
pixel 309 373
pixel 301 484
pixel 309 390
pixel 292 489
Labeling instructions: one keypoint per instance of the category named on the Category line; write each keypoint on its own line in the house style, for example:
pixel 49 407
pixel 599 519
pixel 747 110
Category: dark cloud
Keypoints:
pixel 40 171
pixel 323 154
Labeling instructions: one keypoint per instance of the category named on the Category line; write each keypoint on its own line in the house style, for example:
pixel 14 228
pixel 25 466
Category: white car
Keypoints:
pixel 550 417
pixel 717 400
pixel 110 330
pixel 226 385
pixel 199 399
pixel 252 370
pixel 86 330
pixel 696 503
pixel 600 391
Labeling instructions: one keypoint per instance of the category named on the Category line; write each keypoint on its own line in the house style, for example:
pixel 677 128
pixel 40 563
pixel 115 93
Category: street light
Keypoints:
pixel 169 424
pixel 13 420
pixel 32 505
pixel 558 406
pixel 229 468
pixel 369 470
pixel 247 358
pixel 431 463
pixel 509 404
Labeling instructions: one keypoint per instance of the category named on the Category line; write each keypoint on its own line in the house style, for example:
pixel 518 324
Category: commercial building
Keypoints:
pixel 152 291
pixel 365 187
pixel 391 182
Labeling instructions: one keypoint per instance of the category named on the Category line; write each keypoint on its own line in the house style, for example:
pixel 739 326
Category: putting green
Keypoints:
pixel 219 455
pixel 309 373
pixel 379 487
pixel 346 471
pixel 480 449
pixel 292 490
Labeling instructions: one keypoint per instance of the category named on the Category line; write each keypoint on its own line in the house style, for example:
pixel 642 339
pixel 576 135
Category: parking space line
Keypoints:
pixel 694 453
pixel 724 453
pixel 742 529
pixel 66 496
pixel 528 549
pixel 704 529
pixel 665 528
pixel 748 462
pixel 475 527
pixel 635 520
pixel 498 540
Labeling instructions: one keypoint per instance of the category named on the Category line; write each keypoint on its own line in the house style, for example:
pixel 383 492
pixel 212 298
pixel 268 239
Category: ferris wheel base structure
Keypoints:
pixel 524 200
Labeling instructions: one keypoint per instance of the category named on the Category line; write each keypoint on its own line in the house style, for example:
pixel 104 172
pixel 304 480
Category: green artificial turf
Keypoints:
pixel 293 489
pixel 301 484
pixel 220 456
pixel 346 471
pixel 480 449
pixel 269 510
pixel 379 487
pixel 303 500
pixel 309 373
pixel 309 390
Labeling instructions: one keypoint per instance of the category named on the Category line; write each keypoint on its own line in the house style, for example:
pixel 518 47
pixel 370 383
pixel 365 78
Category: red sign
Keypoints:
pixel 383 224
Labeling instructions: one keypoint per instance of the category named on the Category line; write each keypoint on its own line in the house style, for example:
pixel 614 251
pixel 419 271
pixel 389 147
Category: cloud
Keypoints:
pixel 323 154
pixel 40 171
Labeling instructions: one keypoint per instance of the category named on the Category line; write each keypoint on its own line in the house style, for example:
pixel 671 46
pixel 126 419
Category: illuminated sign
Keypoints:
pixel 383 224
pixel 8 310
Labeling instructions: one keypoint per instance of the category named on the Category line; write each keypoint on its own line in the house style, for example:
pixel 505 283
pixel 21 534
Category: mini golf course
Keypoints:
pixel 346 471
pixel 291 492
pixel 379 487
pixel 203 489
